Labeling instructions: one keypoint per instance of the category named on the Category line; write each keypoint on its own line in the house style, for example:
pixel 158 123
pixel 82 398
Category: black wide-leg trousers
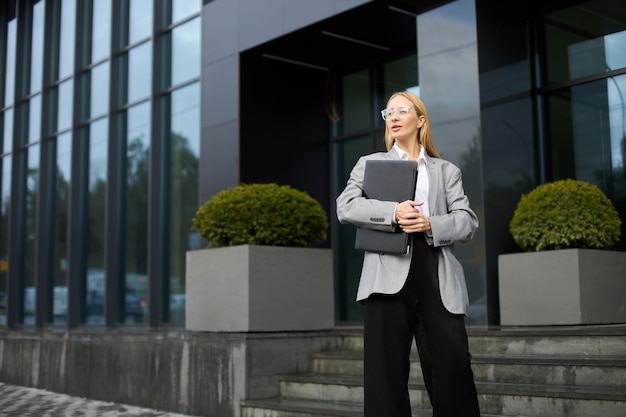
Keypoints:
pixel 391 323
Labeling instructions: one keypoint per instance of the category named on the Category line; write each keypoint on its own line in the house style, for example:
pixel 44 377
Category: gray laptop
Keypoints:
pixel 387 180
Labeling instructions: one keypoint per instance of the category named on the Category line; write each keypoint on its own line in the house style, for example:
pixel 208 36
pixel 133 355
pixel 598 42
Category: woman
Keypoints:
pixel 422 294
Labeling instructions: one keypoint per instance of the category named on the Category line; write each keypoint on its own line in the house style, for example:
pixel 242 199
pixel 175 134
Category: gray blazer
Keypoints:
pixel 451 218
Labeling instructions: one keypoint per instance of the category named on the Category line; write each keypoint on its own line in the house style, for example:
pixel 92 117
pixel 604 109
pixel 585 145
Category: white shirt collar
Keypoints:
pixel 423 156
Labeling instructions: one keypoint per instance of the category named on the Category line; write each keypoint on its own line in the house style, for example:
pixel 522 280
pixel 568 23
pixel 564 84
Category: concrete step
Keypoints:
pixel 297 407
pixel 505 399
pixel 581 371
pixel 538 372
pixel 574 341
pixel 607 371
pixel 584 340
pixel 281 407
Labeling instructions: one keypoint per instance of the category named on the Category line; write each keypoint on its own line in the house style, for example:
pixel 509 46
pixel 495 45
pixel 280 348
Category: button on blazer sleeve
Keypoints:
pixel 452 219
pixel 353 208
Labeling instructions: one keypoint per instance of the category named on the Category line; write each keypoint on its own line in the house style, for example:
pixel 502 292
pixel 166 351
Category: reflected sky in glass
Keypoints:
pixel 141 18
pixel 68 37
pixel 66 99
pixel 616 87
pixel 616 58
pixel 139 72
pixel 101 41
pixel 7 143
pixel 448 75
pixel 34 121
pixel 100 89
pixel 186 115
pixel 36 56
pixel 615 45
pixel 186 52
pixel 10 63
pixel 184 8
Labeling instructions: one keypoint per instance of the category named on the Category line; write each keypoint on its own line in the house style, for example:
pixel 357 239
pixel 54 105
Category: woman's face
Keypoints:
pixel 402 120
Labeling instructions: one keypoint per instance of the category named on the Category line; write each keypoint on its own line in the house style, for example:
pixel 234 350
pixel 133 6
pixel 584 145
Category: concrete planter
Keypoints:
pixel 562 287
pixel 259 288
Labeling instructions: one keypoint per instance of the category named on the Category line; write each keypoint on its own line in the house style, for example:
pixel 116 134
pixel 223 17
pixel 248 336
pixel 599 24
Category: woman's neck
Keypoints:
pixel 411 147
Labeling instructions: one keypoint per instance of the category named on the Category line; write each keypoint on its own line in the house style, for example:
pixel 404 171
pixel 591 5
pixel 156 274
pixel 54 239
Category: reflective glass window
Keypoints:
pixel 345 155
pixel 9 83
pixel 140 21
pixel 574 53
pixel 67 38
pixel 184 8
pixel 65 106
pixel 186 52
pixel 61 201
pixel 32 187
pixel 7 142
pixel 34 119
pixel 448 76
pixel 137 163
pixel 185 154
pixel 139 72
pixel 100 89
pixel 398 75
pixel 503 53
pixel 588 135
pixel 615 45
pixel 448 67
pixel 98 157
pixel 36 55
pixel 5 193
pixel 585 133
pixel 101 30
pixel 508 136
pixel 355 103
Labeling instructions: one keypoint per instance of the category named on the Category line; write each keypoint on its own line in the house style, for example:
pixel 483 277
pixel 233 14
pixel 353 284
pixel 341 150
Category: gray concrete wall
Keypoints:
pixel 205 374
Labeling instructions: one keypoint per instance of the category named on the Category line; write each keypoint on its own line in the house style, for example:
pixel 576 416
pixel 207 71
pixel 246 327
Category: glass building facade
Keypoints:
pixel 100 148
pixel 119 117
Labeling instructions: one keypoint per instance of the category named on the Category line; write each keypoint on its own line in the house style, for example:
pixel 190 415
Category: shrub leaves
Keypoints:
pixel 261 214
pixel 565 214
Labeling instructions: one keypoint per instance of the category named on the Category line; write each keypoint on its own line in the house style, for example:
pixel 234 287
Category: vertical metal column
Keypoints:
pixel 17 213
pixel 159 188
pixel 78 224
pixel 115 223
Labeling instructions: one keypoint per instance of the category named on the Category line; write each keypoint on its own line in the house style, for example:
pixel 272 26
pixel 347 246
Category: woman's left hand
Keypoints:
pixel 411 220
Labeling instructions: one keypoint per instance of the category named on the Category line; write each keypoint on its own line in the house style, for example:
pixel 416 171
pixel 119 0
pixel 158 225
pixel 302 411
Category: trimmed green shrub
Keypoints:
pixel 261 214
pixel 565 214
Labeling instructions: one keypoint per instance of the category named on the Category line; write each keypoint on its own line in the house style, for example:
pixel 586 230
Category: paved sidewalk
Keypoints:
pixel 26 402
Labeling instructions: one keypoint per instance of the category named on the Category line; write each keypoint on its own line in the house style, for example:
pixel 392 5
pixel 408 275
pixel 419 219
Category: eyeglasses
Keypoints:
pixel 401 111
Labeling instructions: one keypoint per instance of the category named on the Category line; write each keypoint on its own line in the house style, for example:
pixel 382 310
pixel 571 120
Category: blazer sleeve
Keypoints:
pixel 459 222
pixel 353 208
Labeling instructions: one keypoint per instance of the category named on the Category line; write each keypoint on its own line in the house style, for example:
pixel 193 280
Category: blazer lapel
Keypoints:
pixel 434 181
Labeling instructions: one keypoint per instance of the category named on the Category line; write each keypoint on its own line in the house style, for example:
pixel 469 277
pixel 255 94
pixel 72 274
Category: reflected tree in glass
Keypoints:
pixel 32 188
pixel 184 203
pixel 5 188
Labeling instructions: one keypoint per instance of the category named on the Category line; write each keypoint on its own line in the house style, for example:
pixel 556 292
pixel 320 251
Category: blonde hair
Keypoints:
pixel 424 136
